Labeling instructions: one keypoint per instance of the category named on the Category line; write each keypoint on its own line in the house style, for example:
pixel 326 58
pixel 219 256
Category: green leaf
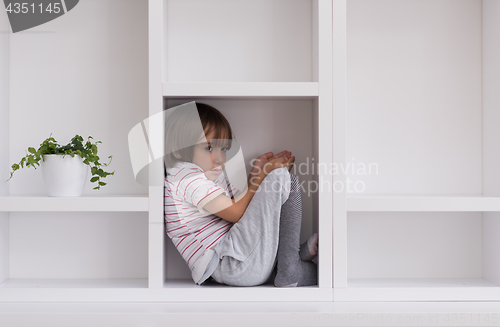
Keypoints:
pixel 32 150
pixel 94 179
pixel 102 183
pixel 94 149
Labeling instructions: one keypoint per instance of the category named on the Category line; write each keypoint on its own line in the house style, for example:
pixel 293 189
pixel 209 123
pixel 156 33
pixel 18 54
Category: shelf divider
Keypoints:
pixel 243 89
pixel 374 203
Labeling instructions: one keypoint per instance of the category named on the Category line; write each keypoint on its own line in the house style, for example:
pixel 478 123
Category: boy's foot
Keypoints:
pixel 309 249
pixel 303 273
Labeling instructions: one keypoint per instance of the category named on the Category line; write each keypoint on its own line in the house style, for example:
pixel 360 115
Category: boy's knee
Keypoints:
pixel 279 180
pixel 276 173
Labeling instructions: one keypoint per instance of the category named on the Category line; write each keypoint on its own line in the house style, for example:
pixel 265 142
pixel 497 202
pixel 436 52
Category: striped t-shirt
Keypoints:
pixel 194 231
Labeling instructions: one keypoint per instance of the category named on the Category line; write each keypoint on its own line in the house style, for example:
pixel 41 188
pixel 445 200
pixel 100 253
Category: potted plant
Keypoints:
pixel 64 174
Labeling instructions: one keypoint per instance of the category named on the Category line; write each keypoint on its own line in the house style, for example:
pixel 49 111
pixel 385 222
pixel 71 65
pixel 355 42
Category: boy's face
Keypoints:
pixel 210 156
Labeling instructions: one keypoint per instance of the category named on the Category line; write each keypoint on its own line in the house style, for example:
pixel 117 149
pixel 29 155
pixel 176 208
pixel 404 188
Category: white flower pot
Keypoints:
pixel 64 175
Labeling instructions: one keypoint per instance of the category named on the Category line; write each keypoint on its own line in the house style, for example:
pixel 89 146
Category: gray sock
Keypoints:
pixel 309 249
pixel 291 270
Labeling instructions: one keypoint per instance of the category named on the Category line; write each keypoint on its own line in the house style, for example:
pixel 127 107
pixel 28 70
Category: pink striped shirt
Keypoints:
pixel 193 230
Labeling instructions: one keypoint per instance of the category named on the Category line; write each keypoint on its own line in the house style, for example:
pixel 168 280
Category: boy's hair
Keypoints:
pixel 181 129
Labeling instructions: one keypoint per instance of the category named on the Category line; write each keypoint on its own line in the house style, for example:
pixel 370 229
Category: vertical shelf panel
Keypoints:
pixel 4 140
pixel 155 131
pixel 491 136
pixel 339 142
pixel 325 139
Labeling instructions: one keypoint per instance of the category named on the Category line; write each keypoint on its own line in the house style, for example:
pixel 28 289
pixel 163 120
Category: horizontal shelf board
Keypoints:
pixel 452 289
pixel 265 89
pixel 186 290
pixel 136 290
pixel 422 203
pixel 82 203
pixel 75 283
pixel 418 282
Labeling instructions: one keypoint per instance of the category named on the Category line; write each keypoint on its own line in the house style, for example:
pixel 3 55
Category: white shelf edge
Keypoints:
pixel 243 89
pixel 185 291
pixel 418 289
pixel 419 282
pixel 12 203
pixel 136 290
pixel 376 203
pixel 74 283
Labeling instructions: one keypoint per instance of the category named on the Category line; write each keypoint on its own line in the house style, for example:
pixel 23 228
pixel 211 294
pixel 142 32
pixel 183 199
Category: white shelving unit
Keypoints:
pixel 409 88
pixel 266 65
pixel 67 77
pixel 422 98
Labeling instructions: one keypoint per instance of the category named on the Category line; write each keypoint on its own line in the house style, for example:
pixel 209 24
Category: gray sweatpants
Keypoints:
pixel 247 254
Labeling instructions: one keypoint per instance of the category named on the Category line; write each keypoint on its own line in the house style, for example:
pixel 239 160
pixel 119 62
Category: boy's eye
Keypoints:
pixel 208 148
pixel 225 149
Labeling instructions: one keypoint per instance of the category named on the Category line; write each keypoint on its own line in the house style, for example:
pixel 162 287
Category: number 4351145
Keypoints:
pixel 25 8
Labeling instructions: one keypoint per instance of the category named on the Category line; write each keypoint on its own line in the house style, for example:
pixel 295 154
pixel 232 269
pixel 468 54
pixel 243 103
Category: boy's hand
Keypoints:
pixel 259 163
pixel 277 163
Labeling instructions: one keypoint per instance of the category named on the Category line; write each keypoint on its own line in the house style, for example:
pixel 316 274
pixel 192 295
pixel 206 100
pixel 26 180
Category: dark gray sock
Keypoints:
pixel 309 249
pixel 291 270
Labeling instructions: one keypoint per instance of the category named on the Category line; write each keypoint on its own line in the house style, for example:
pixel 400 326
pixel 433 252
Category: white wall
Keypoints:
pixel 414 245
pixel 84 73
pixel 414 107
pixel 283 124
pixel 4 140
pixel 414 95
pixel 236 41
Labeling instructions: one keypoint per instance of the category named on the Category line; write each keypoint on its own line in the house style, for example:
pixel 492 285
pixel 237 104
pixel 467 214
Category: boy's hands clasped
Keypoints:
pixel 268 162
pixel 278 163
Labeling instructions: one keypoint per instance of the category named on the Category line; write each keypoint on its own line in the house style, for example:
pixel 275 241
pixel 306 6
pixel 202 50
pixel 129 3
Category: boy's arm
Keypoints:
pixel 233 210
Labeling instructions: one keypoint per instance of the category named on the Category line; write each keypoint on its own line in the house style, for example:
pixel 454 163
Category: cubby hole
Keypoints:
pixel 261 125
pixel 75 250
pixel 240 41
pixel 422 249
pixel 415 96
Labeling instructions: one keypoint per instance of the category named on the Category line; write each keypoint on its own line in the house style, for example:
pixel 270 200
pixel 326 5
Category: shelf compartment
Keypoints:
pixel 263 90
pixel 74 250
pixel 245 115
pixel 379 203
pixel 424 141
pixel 239 41
pixel 137 203
pixel 421 256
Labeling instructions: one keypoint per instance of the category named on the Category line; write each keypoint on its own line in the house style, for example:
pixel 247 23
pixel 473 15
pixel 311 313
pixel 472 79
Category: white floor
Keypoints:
pixel 249 314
